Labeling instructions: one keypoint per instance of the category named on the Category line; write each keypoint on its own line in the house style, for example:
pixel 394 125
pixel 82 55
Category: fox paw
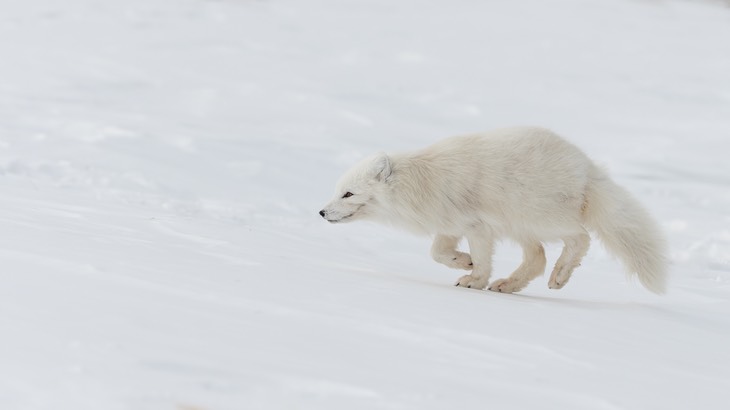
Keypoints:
pixel 506 286
pixel 559 277
pixel 455 260
pixel 556 283
pixel 460 260
pixel 474 282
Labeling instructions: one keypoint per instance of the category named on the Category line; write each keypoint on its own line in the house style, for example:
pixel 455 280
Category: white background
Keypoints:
pixel 162 164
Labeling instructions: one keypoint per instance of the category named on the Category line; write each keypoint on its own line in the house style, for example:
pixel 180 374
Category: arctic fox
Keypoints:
pixel 525 184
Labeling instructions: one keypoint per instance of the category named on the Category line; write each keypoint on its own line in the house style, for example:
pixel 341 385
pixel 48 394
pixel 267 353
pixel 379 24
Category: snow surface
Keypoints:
pixel 162 164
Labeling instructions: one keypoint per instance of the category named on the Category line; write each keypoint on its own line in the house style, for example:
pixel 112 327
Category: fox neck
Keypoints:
pixel 410 199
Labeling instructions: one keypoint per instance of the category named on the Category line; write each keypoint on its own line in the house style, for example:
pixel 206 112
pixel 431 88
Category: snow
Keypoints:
pixel 162 164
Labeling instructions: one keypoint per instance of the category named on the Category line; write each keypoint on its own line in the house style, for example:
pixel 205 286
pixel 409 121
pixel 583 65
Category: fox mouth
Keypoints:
pixel 346 217
pixel 334 221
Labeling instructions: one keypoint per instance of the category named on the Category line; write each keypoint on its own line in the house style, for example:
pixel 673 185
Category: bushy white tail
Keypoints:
pixel 626 230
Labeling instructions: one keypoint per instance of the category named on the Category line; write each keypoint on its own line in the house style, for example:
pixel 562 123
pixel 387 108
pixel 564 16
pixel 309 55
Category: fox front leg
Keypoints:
pixel 481 246
pixel 444 251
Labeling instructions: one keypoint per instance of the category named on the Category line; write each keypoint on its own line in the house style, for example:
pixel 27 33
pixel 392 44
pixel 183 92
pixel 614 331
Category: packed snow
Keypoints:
pixel 162 164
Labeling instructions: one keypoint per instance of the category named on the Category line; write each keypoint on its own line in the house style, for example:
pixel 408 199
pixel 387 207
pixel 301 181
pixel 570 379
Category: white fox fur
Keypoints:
pixel 525 184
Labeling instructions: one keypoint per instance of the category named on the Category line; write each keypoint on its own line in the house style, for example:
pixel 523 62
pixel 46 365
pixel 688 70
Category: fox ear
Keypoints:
pixel 382 169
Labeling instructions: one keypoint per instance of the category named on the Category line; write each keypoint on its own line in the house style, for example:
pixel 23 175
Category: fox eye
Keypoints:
pixel 347 194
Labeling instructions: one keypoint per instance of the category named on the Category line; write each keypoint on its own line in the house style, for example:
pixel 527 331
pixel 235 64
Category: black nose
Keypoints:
pixel 322 213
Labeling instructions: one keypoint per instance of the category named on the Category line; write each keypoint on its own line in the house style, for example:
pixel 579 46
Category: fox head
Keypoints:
pixel 357 191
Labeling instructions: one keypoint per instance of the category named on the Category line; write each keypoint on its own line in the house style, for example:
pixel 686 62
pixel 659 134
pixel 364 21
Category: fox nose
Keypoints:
pixel 322 213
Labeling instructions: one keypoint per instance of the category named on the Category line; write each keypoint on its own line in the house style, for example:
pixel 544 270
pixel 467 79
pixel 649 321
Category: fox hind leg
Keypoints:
pixel 575 249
